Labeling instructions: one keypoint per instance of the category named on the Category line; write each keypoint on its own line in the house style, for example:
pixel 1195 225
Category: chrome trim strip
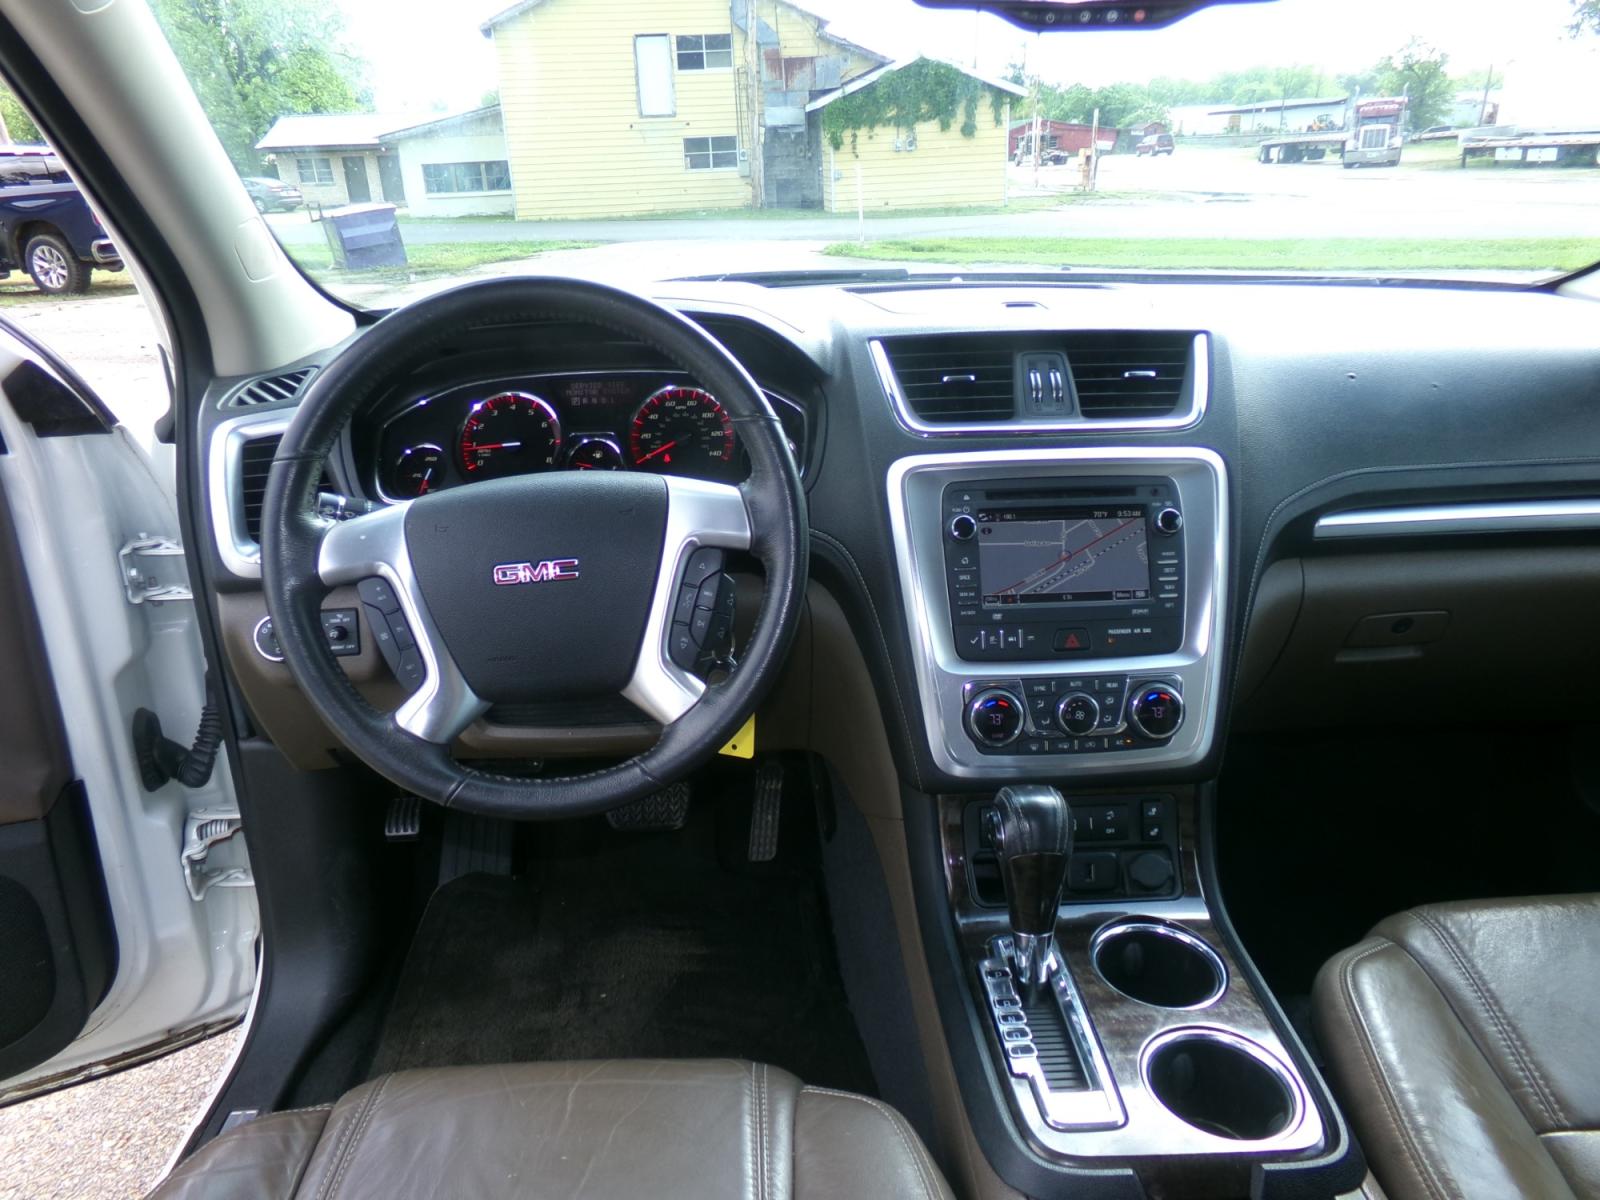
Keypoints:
pixel 239 552
pixel 915 486
pixel 1199 397
pixel 1514 516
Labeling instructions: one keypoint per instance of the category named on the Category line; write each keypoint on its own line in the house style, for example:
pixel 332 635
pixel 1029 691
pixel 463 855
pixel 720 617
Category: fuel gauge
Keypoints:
pixel 594 454
pixel 419 471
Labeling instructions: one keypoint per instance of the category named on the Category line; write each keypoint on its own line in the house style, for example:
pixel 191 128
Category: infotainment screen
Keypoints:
pixel 1062 555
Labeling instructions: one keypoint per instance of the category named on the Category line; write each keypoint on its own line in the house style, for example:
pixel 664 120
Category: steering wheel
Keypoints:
pixel 535 588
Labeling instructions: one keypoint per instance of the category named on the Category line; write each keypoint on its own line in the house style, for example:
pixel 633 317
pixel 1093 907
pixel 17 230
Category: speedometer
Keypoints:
pixel 509 434
pixel 682 431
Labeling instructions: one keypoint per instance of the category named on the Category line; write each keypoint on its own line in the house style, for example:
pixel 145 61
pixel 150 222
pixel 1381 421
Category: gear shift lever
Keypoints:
pixel 1031 828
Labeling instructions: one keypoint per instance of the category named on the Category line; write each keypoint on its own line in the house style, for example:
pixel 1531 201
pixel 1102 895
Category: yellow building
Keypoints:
pixel 922 165
pixel 612 108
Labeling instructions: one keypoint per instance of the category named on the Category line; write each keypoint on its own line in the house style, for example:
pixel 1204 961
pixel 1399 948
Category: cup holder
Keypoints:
pixel 1158 964
pixel 1222 1083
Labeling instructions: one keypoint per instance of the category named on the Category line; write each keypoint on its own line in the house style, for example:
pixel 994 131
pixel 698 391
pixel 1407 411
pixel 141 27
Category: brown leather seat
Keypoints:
pixel 596 1130
pixel 1464 1042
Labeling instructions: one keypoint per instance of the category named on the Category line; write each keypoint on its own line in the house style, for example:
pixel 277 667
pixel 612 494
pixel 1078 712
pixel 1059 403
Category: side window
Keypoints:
pixel 440 178
pixel 705 52
pixel 710 153
pixel 315 170
pixel 652 60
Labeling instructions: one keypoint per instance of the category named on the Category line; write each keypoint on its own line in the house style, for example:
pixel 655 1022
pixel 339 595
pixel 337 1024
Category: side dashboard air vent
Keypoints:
pixel 270 389
pixel 1128 375
pixel 255 463
pixel 955 379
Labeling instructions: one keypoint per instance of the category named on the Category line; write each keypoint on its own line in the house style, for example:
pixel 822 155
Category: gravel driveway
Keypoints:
pixel 108 1139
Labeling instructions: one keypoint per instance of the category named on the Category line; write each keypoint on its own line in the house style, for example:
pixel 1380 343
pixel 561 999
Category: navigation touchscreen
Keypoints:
pixel 1062 555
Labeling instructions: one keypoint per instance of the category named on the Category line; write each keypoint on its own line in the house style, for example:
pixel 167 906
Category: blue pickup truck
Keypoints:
pixel 46 227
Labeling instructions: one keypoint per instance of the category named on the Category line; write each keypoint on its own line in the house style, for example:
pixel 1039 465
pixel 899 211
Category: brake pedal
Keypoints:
pixel 403 821
pixel 765 811
pixel 664 812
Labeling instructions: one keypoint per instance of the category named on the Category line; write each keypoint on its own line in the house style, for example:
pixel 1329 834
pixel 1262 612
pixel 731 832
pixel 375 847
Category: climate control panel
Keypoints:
pixel 1072 714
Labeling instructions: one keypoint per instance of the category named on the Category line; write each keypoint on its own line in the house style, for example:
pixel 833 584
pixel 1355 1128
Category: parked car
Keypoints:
pixel 1154 144
pixel 46 227
pixel 272 195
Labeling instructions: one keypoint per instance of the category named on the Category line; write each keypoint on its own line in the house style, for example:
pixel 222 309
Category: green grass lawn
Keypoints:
pixel 423 261
pixel 1292 254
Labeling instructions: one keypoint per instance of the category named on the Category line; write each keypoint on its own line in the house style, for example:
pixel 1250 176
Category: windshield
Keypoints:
pixel 400 145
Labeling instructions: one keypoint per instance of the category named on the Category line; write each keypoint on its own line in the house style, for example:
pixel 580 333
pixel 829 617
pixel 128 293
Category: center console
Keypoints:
pixel 1064 605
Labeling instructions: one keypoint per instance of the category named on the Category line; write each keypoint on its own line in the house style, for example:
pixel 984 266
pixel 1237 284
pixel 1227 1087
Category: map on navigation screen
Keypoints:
pixel 1070 557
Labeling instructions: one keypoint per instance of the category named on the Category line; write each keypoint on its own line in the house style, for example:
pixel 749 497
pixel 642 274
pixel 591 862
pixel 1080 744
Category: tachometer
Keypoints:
pixel 682 431
pixel 509 434
pixel 419 471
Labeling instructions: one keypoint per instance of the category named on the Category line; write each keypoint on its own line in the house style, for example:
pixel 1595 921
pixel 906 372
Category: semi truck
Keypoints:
pixel 1374 133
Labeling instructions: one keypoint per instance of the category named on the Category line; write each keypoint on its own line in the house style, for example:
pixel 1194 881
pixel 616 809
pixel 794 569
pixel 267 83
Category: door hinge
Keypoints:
pixel 203 829
pixel 153 570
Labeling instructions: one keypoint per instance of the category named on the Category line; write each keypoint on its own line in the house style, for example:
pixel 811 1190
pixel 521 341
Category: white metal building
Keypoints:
pixel 455 166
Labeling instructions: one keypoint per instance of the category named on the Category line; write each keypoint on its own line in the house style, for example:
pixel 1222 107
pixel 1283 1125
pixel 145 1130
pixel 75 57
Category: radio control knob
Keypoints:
pixel 962 527
pixel 1169 520
pixel 1156 710
pixel 1078 713
pixel 994 717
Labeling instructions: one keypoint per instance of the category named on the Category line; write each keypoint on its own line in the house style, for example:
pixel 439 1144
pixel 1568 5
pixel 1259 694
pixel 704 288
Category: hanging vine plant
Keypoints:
pixel 921 91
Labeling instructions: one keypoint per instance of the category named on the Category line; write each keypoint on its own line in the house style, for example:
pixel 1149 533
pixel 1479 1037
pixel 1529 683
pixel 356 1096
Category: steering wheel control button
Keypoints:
pixel 1078 713
pixel 994 717
pixel 408 670
pixel 379 594
pixel 343 631
pixel 1156 710
pixel 963 527
pixel 702 565
pixel 681 647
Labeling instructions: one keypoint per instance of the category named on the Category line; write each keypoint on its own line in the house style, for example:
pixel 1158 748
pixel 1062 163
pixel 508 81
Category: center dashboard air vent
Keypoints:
pixel 952 383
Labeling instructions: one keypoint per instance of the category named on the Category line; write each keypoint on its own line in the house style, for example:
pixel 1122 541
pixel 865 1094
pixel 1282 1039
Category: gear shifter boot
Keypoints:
pixel 1031 827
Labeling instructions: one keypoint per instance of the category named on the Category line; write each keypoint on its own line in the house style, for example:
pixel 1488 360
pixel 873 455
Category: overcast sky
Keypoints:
pixel 1548 75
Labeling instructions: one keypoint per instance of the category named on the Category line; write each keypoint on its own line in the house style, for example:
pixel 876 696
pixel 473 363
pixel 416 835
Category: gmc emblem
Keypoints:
pixel 551 570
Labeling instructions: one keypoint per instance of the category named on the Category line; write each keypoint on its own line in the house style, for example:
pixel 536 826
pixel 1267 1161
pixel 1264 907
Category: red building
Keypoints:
pixel 1061 137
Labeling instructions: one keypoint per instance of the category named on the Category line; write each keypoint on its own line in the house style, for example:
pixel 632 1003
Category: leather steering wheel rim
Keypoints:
pixel 294 557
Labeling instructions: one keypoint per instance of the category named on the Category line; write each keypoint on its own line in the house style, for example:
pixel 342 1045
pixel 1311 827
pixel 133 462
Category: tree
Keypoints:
pixel 253 61
pixel 1418 71
pixel 1585 17
pixel 18 124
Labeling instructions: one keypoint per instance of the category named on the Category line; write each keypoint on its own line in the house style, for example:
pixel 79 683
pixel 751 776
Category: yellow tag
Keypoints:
pixel 743 743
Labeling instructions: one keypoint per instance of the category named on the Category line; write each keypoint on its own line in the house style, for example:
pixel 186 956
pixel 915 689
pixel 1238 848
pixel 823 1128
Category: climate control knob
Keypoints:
pixel 1156 710
pixel 1078 713
pixel 994 717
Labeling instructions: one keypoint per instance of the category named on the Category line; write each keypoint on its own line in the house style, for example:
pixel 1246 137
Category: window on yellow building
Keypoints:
pixel 314 170
pixel 710 153
pixel 705 51
pixel 652 62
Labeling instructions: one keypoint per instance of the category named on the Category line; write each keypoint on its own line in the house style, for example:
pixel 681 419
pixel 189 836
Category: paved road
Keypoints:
pixel 1204 193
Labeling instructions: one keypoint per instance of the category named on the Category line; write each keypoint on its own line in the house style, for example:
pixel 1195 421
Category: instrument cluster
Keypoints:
pixel 638 420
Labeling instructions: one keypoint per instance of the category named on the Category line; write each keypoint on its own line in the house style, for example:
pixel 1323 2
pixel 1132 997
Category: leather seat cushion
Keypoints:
pixel 542 1131
pixel 1462 1039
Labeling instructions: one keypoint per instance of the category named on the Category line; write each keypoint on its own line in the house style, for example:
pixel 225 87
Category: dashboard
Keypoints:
pixel 587 420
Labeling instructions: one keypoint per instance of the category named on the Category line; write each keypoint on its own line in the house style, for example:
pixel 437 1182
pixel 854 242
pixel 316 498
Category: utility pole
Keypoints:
pixel 1483 109
pixel 752 56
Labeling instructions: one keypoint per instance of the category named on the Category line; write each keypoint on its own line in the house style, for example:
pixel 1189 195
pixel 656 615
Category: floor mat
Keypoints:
pixel 644 947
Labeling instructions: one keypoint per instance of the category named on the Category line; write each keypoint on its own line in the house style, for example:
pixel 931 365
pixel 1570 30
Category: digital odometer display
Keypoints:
pixel 1062 555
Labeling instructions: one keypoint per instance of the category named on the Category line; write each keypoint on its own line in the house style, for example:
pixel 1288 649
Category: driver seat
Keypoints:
pixel 612 1130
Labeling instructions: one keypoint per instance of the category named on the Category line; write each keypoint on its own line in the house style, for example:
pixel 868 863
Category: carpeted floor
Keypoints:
pixel 640 945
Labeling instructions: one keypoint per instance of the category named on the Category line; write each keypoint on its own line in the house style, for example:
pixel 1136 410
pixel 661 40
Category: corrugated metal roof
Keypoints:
pixel 331 129
pixel 440 124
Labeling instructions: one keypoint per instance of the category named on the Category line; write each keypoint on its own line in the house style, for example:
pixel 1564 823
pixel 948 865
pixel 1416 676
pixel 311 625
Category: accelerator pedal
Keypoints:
pixel 765 811
pixel 663 812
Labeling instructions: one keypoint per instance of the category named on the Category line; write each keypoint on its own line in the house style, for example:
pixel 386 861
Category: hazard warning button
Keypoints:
pixel 1068 641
